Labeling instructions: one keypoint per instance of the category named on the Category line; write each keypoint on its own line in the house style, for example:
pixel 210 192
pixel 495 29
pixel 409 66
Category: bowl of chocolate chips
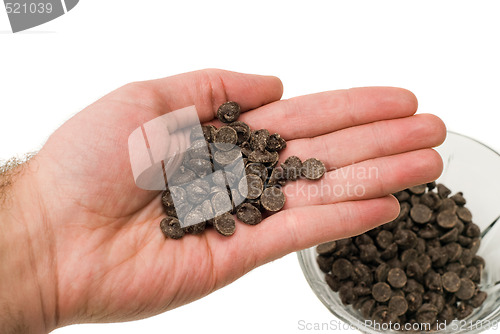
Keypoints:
pixel 435 267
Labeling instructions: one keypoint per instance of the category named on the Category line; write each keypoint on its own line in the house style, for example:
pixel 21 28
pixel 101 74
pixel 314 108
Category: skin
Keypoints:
pixel 80 241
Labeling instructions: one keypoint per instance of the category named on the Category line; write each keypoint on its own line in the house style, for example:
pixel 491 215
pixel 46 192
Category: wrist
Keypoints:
pixel 28 292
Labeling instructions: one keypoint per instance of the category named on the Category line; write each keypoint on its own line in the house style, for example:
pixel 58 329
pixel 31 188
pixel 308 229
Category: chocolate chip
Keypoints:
pixel 459 199
pixel 451 281
pixel 433 281
pixel 420 246
pixel 404 210
pixel 263 156
pixel 250 215
pixel 448 204
pixel 368 252
pixel 197 191
pixel 464 241
pixel 363 239
pixel 183 209
pixel 414 300
pixel 346 294
pixel 199 150
pixel 413 270
pixel 427 313
pixel 398 305
pixel 362 274
pixel 420 214
pixel 466 257
pixel 258 140
pixel 446 315
pixel 381 314
pixel 272 199
pixel 224 224
pixel 342 269
pixel 381 292
pixel 466 290
pixel 224 136
pixel 425 262
pixel 257 169
pixel 313 169
pixel 381 272
pixel 251 187
pixel 326 248
pixel 368 307
pixel 464 214
pixel 396 278
pixel 390 252
pixel 405 239
pixel 166 198
pixel 471 273
pixel 450 236
pixel 292 167
pixel 402 196
pixel 277 177
pixel 419 189
pixel 443 191
pixel 181 176
pixel 228 112
pixel 472 230
pixel 454 251
pixel 333 282
pixel 171 228
pixel 474 245
pixel 409 255
pixel 455 267
pixel 428 232
pixel 478 299
pixel 275 143
pixel 438 257
pixel 243 131
pixel 413 286
pixel 478 261
pixel 447 219
pixel 194 222
pixel 384 239
pixel 463 311
pixel 246 150
pixel 325 263
pixel 207 210
pixel 221 202
pixel 224 158
pixel 201 167
pixel 431 200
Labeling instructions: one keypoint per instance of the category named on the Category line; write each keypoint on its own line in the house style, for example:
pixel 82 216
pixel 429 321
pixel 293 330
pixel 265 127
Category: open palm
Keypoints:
pixel 112 262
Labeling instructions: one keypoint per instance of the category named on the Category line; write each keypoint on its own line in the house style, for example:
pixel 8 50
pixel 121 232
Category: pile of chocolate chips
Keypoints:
pixel 226 171
pixel 420 268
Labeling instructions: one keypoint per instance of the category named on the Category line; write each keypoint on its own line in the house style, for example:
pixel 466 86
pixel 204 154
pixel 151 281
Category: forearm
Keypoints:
pixel 27 275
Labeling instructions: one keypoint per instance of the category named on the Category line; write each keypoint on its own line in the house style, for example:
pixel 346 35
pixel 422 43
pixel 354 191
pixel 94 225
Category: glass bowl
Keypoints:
pixel 470 167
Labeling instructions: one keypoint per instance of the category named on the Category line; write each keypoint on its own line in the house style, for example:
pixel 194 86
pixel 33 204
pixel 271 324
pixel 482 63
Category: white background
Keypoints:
pixel 446 52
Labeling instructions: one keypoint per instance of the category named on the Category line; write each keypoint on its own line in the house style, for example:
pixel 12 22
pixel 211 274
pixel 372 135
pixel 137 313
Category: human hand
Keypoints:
pixel 97 234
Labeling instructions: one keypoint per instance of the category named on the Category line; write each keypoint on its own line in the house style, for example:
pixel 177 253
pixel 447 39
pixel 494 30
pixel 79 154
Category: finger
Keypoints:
pixel 303 227
pixel 207 90
pixel 383 138
pixel 318 114
pixel 368 179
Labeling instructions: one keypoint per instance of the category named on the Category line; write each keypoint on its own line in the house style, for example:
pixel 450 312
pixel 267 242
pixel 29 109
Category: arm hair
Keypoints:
pixel 9 170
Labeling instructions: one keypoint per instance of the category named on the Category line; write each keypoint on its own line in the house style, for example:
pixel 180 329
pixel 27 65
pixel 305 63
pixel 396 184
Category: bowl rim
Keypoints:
pixel 472 139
